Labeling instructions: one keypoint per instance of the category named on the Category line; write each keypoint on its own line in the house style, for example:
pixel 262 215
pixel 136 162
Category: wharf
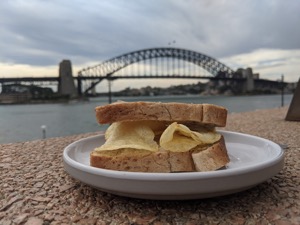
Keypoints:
pixel 35 189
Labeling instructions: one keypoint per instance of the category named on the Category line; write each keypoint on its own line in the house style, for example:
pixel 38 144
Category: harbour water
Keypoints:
pixel 24 122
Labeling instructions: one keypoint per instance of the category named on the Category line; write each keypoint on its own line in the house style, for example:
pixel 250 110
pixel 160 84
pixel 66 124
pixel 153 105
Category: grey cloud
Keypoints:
pixel 43 32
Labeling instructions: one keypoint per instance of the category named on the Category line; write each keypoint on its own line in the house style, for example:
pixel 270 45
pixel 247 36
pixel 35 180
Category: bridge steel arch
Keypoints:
pixel 109 67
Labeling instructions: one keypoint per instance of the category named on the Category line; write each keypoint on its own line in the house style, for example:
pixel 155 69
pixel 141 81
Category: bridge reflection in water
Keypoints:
pixel 154 63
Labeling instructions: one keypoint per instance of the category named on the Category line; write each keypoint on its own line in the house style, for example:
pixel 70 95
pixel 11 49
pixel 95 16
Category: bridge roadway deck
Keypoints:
pixel 41 79
pixel 114 77
pixel 27 79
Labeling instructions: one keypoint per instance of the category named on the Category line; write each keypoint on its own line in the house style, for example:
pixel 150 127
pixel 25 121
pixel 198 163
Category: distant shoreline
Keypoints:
pixel 19 101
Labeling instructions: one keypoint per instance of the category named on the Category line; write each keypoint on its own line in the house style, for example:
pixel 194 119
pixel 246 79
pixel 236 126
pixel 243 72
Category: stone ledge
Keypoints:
pixel 35 189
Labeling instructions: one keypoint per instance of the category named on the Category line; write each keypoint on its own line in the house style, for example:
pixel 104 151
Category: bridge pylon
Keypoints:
pixel 66 84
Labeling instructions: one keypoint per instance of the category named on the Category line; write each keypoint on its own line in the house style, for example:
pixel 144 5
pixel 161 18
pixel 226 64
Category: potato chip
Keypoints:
pixel 134 135
pixel 179 138
pixel 157 127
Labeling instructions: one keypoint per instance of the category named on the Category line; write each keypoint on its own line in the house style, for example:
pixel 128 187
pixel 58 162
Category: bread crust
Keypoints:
pixel 129 111
pixel 162 161
pixel 212 158
pixel 143 161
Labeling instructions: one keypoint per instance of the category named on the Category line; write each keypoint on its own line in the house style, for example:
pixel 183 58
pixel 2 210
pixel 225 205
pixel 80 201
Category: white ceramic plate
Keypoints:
pixel 252 161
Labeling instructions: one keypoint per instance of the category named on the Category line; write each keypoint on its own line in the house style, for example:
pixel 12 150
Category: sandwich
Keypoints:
pixel 161 137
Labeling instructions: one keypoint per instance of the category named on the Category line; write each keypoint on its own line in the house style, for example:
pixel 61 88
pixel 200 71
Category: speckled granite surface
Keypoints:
pixel 35 189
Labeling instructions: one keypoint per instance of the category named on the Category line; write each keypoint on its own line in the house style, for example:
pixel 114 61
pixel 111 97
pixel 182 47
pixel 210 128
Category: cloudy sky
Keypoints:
pixel 37 34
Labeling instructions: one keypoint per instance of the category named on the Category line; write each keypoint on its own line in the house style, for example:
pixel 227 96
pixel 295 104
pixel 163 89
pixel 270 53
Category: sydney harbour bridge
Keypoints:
pixel 153 63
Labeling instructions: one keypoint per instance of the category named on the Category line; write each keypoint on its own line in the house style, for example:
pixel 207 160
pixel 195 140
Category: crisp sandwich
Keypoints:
pixel 161 137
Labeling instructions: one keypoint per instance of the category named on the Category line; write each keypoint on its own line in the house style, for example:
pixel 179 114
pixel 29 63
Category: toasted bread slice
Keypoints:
pixel 129 111
pixel 198 159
